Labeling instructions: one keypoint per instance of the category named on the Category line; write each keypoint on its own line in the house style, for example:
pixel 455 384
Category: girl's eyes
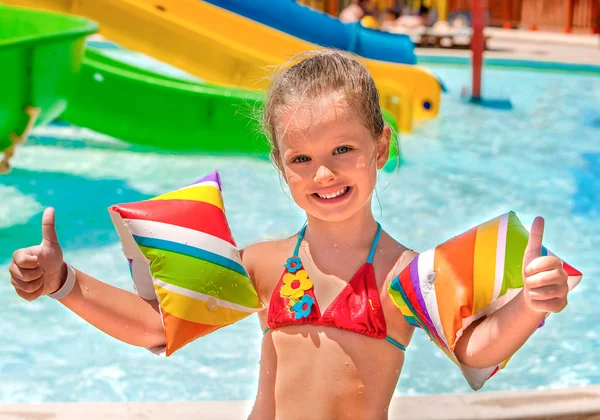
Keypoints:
pixel 342 149
pixel 301 159
pixel 338 151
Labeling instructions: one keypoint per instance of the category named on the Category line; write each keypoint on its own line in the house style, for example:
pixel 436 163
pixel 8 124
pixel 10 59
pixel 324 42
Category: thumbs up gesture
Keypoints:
pixel 545 280
pixel 39 270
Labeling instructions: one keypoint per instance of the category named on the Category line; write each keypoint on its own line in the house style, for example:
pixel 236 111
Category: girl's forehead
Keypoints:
pixel 314 119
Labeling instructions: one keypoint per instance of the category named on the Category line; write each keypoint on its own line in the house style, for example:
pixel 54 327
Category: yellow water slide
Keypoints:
pixel 224 48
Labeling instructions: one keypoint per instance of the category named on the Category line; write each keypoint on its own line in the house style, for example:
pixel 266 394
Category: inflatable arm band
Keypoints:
pixel 181 252
pixel 445 289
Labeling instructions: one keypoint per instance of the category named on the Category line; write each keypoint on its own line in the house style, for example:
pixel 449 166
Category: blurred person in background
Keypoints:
pixel 406 22
pixel 357 10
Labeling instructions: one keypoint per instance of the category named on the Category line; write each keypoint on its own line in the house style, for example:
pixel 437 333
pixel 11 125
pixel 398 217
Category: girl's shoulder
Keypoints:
pixel 394 256
pixel 265 261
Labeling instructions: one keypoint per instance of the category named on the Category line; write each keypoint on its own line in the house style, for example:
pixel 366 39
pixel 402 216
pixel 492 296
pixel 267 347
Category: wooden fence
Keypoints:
pixel 549 15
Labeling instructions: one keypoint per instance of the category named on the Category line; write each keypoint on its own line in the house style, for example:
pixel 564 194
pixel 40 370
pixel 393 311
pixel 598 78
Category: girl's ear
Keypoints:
pixel 383 147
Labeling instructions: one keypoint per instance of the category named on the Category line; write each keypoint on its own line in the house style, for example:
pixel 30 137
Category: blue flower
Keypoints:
pixel 293 264
pixel 303 306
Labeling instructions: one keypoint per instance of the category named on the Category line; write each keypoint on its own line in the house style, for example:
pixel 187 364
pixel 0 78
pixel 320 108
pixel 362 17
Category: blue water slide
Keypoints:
pixel 319 28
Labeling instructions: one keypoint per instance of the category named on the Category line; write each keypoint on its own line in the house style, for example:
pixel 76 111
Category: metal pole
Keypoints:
pixel 477 47
pixel 570 5
pixel 507 14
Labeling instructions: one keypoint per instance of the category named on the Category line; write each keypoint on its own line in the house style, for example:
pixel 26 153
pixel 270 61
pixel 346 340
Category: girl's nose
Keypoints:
pixel 324 174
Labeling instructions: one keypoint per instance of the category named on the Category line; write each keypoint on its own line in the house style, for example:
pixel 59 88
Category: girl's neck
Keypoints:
pixel 354 233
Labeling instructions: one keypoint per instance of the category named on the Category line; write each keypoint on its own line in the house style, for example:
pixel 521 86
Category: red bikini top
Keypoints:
pixel 357 308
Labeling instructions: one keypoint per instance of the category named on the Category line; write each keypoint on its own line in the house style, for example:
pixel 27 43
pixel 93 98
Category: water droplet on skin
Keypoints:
pixel 87 289
pixel 335 245
pixel 397 370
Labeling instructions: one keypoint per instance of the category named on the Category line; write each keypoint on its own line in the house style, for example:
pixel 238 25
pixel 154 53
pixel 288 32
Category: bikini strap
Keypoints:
pixel 374 246
pixel 371 254
pixel 300 237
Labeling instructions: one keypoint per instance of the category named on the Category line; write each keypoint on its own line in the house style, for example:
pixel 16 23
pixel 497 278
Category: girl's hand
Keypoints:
pixel 545 281
pixel 39 270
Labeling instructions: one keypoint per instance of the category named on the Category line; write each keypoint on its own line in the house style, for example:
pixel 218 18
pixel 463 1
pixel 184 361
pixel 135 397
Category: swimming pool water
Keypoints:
pixel 467 166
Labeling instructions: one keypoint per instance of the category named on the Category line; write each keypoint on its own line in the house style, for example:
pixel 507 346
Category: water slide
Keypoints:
pixel 224 48
pixel 131 97
pixel 50 47
pixel 322 29
pixel 139 105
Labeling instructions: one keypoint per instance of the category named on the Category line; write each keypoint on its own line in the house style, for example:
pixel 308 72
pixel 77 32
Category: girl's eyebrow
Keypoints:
pixel 293 150
pixel 345 136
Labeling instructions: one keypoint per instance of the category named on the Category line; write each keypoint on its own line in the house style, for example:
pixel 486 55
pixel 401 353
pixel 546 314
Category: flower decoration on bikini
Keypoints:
pixel 303 307
pixel 181 251
pixel 293 264
pixel 472 275
pixel 295 284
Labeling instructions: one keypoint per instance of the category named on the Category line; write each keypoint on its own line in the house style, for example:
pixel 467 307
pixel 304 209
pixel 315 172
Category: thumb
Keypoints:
pixel 48 230
pixel 534 244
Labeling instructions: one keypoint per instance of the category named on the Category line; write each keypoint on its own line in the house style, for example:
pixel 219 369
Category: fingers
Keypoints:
pixel 548 292
pixel 27 286
pixel 542 264
pixel 25 274
pixel 534 243
pixel 25 259
pixel 537 234
pixel 28 283
pixel 546 285
pixel 30 297
pixel 48 227
pixel 551 305
pixel 546 278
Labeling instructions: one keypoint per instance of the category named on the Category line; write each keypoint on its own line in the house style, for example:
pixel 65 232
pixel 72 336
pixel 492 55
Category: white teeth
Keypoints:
pixel 335 194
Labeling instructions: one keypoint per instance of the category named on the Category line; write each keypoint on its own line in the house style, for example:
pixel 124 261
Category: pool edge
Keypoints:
pixel 511 63
pixel 555 404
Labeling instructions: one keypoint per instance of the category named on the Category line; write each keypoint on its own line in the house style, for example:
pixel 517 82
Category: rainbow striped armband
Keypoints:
pixel 181 252
pixel 445 289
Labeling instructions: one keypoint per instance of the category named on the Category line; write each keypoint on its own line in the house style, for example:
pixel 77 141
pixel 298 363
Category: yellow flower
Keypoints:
pixel 295 284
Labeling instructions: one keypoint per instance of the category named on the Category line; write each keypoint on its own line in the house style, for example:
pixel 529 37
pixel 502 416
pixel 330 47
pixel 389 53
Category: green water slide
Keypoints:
pixel 40 56
pixel 117 95
pixel 46 70
pixel 148 107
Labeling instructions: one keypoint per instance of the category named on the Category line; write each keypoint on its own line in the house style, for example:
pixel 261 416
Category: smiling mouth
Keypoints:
pixel 340 193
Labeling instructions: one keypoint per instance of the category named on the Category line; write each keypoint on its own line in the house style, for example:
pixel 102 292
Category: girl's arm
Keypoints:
pixel 545 287
pixel 117 312
pixel 491 340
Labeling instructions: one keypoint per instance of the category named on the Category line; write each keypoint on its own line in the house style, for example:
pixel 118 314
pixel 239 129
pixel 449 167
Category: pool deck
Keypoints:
pixel 526 45
pixel 566 404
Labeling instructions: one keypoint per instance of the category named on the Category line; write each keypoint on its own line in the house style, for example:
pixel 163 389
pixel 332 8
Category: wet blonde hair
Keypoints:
pixel 311 75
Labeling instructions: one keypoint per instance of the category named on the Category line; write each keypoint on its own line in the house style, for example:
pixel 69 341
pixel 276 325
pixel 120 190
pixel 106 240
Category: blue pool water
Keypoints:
pixel 469 165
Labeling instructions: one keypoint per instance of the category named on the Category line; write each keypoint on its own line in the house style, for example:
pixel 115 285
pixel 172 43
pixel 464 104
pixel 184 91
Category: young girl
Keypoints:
pixel 342 358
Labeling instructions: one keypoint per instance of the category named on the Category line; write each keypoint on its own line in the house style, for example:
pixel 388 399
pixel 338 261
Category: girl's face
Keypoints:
pixel 329 159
